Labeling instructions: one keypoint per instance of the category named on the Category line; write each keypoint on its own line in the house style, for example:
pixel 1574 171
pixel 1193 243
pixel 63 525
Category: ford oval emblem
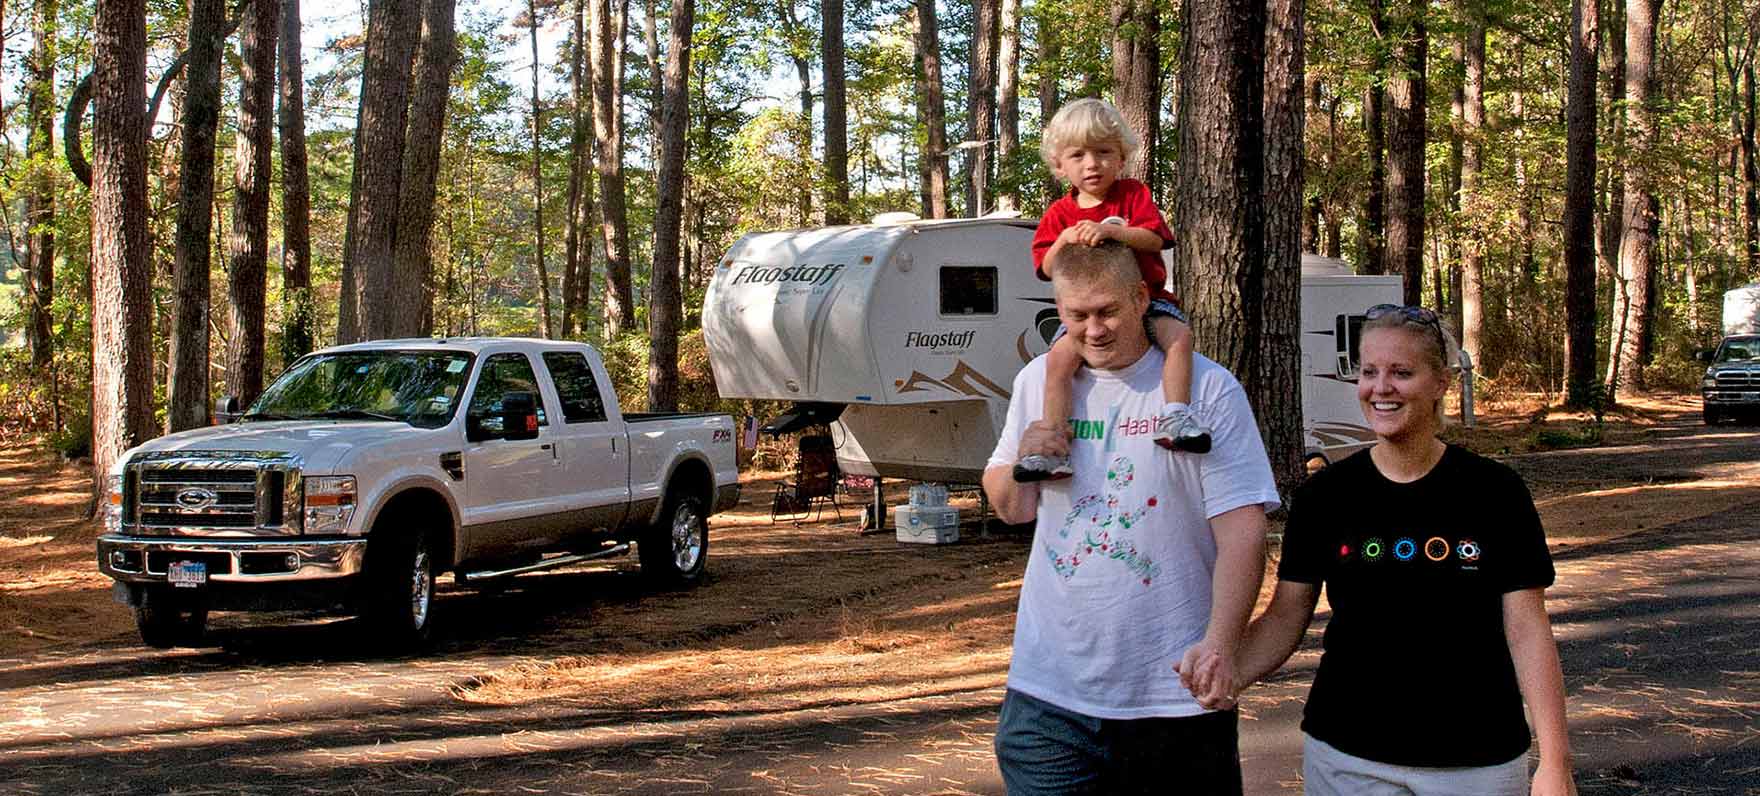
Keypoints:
pixel 196 498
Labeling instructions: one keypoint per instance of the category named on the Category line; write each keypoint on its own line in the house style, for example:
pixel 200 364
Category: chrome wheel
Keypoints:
pixel 421 594
pixel 687 537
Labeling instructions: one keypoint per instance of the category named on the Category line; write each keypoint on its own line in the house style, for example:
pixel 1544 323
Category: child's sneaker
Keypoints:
pixel 1178 430
pixel 1039 467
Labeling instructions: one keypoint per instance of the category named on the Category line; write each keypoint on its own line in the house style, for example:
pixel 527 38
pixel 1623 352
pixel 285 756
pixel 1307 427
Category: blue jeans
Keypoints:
pixel 1044 749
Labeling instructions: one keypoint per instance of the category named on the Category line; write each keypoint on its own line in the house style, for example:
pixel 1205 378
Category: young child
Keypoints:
pixel 1087 145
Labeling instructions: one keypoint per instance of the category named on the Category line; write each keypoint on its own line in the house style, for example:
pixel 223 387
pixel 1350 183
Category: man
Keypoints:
pixel 1144 565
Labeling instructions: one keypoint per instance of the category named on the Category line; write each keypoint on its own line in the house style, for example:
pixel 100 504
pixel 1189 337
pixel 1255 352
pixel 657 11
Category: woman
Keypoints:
pixel 1435 567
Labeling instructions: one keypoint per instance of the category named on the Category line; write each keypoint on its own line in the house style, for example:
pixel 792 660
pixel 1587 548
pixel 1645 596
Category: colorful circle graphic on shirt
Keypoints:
pixel 1373 549
pixel 1405 549
pixel 1468 550
pixel 1436 548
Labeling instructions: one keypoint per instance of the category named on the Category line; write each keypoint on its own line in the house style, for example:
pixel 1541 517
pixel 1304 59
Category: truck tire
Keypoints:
pixel 167 619
pixel 675 551
pixel 1712 416
pixel 400 589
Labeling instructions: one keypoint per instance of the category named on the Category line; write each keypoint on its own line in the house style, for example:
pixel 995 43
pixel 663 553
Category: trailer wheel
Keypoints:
pixel 167 619
pixel 400 588
pixel 674 552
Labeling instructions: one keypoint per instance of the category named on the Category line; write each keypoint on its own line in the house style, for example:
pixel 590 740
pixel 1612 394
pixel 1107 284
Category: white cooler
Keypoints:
pixel 926 524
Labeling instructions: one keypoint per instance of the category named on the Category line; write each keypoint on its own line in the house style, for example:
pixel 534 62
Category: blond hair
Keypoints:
pixel 1110 263
pixel 1440 350
pixel 1086 122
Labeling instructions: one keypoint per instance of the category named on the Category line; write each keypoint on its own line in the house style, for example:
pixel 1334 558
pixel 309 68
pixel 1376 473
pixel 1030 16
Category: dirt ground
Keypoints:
pixel 795 619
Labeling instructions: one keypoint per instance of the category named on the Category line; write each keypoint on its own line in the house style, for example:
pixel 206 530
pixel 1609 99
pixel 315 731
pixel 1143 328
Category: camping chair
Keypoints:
pixel 815 482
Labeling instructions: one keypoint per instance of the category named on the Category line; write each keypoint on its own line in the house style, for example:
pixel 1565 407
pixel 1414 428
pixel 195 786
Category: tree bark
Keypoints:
pixel 393 31
pixel 1750 173
pixel 187 380
pixel 1136 79
pixel 1637 254
pixel 577 265
pixel 538 180
pixel 614 225
pixel 1008 106
pixel 248 245
pixel 934 106
pixel 981 105
pixel 836 115
pixel 39 265
pixel 413 260
pixel 799 50
pixel 1405 146
pixel 1472 149
pixel 1579 204
pixel 122 339
pixel 665 315
pixel 296 195
pixel 1219 248
pixel 1274 386
pixel 1050 52
pixel 1611 217
pixel 1375 129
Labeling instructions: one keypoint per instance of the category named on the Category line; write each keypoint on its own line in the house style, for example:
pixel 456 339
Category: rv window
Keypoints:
pixel 968 290
pixel 1348 332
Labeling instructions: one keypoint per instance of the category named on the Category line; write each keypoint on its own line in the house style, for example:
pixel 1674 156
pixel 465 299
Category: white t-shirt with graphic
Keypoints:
pixel 1118 585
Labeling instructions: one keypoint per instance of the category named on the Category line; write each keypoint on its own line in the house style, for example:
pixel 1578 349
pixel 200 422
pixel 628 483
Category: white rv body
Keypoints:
pixel 917 329
pixel 1741 310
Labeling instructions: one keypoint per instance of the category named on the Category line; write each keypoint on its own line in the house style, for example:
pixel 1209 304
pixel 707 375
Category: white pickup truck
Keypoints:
pixel 367 470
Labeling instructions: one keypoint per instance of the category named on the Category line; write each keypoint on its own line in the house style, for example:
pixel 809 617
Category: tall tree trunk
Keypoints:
pixel 605 39
pixel 1637 252
pixel 1274 385
pixel 836 115
pixel 981 104
pixel 799 51
pixel 248 245
pixel 1375 129
pixel 934 106
pixel 296 195
pixel 1524 189
pixel 122 315
pixel 538 180
pixel 577 164
pixel 1611 217
pixel 1472 148
pixel 1750 173
pixel 1579 204
pixel 187 389
pixel 1050 51
pixel 393 31
pixel 665 315
pixel 1405 146
pixel 1219 248
pixel 39 265
pixel 1136 78
pixel 414 262
pixel 1008 105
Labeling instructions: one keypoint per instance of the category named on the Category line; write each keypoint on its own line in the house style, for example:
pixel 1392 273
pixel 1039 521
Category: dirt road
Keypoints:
pixel 820 661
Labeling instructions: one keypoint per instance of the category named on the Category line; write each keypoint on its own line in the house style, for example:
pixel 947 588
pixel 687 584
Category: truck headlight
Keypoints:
pixel 113 504
pixel 329 503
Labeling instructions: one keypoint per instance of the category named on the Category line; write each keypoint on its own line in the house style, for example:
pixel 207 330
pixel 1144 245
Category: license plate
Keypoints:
pixel 187 574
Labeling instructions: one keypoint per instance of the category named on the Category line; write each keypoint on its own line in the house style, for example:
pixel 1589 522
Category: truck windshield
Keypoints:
pixel 1739 350
pixel 416 387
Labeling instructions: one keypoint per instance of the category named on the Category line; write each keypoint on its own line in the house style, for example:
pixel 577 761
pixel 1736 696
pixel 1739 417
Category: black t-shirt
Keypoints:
pixel 1416 670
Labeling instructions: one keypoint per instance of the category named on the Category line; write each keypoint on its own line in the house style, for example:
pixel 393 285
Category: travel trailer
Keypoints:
pixel 904 336
pixel 1741 310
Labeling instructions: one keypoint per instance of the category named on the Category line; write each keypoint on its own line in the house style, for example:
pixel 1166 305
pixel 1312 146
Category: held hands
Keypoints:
pixel 1045 438
pixel 1552 779
pixel 1208 671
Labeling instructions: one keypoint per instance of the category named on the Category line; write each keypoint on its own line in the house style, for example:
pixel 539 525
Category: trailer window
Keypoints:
pixel 1348 332
pixel 968 290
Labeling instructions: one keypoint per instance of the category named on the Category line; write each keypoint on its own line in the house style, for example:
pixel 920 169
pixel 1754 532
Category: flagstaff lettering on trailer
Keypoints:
pixel 940 339
pixel 814 275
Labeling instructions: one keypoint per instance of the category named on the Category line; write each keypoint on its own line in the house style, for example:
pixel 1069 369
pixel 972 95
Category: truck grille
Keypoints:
pixel 1738 379
pixel 215 494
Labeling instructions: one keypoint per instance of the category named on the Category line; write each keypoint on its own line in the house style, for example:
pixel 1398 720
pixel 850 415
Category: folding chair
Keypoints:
pixel 815 482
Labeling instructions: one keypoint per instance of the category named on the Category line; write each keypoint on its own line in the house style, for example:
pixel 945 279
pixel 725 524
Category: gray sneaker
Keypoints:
pixel 1178 430
pixel 1039 467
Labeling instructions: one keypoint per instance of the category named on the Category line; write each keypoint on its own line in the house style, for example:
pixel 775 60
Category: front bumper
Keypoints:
pixel 1749 397
pixel 141 559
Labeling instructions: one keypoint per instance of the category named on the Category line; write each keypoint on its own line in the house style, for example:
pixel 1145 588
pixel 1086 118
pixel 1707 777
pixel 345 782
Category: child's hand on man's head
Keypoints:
pixel 1089 233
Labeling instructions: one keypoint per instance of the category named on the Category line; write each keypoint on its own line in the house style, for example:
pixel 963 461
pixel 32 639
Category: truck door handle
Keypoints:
pixel 544 447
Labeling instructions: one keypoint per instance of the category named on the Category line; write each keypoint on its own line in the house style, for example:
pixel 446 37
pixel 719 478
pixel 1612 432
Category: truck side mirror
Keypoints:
pixel 1703 356
pixel 228 410
pixel 519 416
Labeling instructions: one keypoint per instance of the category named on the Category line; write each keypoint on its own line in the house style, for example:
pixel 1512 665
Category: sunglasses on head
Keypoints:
pixel 1413 314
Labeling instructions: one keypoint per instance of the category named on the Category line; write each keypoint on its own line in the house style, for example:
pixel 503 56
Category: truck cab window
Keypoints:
pixel 502 374
pixel 968 290
pixel 574 382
